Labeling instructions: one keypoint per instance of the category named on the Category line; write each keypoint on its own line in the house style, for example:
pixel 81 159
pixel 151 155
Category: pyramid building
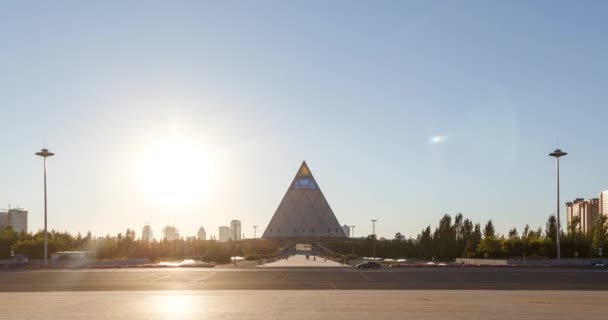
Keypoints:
pixel 304 211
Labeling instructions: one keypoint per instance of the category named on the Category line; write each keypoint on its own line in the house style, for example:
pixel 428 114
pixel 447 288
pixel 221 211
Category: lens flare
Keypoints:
pixel 437 139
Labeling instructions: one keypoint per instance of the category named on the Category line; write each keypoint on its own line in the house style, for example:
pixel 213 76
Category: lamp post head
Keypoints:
pixel 558 153
pixel 45 153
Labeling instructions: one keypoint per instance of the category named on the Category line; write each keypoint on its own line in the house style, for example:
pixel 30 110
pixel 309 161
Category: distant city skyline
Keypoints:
pixel 405 111
pixel 15 218
pixel 587 211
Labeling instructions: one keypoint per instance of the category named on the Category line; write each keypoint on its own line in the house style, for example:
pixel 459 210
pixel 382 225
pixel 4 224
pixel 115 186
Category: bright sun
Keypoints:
pixel 175 172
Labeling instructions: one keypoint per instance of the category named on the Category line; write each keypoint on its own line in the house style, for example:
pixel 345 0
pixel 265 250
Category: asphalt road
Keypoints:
pixel 417 278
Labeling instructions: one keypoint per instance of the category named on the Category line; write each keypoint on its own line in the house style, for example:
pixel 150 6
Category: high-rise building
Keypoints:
pixel 15 218
pixel 202 235
pixel 304 211
pixel 587 212
pixel 235 227
pixel 604 203
pixel 146 234
pixel 170 233
pixel 224 234
pixel 346 229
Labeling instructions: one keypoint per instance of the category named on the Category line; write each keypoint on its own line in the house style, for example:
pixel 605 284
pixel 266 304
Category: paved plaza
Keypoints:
pixel 299 260
pixel 307 304
pixel 305 292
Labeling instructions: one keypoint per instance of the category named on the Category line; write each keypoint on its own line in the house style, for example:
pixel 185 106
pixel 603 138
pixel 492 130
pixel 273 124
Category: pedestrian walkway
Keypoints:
pixel 300 260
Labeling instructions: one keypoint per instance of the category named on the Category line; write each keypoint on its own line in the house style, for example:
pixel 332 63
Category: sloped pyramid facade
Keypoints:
pixel 304 211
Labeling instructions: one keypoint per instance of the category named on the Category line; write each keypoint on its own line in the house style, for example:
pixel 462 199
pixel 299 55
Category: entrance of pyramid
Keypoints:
pixel 303 247
pixel 307 249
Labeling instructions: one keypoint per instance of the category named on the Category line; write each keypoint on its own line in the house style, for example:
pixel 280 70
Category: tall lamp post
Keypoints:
pixel 557 154
pixel 44 153
pixel 255 229
pixel 374 239
pixel 352 235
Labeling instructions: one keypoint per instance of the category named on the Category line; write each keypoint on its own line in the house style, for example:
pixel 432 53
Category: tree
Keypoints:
pixel 600 233
pixel 489 248
pixel 526 232
pixel 445 239
pixel 467 229
pixel 473 242
pixel 488 230
pixel 469 249
pixel 426 243
pixel 573 244
pixel 574 226
pixel 551 228
pixel 513 246
pixel 8 237
pixel 551 236
pixel 458 226
pixel 466 248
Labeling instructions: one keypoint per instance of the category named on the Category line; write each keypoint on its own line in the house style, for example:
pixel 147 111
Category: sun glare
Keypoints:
pixel 175 172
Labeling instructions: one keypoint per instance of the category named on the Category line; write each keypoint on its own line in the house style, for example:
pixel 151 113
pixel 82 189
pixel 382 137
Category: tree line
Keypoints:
pixel 126 246
pixel 452 238
pixel 460 237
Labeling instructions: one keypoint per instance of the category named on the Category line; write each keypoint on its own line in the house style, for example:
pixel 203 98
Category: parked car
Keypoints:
pixel 369 265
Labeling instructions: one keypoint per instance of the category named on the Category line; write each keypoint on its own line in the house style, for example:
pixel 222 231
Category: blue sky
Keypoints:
pixel 357 90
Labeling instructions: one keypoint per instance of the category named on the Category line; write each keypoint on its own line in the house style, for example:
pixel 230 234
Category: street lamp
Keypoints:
pixel 352 235
pixel 374 239
pixel 45 154
pixel 255 229
pixel 557 154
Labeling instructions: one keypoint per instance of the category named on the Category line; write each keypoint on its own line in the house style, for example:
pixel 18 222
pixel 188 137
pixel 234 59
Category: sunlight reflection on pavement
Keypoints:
pixel 304 304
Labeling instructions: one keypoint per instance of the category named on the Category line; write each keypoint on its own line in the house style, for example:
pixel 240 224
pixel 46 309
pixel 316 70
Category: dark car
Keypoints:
pixel 369 265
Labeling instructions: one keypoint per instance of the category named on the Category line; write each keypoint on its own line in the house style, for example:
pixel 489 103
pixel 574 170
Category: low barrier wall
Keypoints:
pixel 492 262
pixel 527 262
pixel 90 262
